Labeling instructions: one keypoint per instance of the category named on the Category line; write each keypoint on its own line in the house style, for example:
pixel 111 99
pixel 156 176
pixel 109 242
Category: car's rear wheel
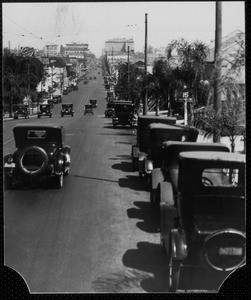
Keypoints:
pixel 8 183
pixel 59 181
pixel 174 274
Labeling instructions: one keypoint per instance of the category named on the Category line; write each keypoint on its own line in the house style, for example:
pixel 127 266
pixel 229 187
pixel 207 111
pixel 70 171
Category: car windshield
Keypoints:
pixel 36 134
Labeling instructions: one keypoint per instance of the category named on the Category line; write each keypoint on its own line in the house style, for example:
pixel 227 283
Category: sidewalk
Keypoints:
pixel 7 118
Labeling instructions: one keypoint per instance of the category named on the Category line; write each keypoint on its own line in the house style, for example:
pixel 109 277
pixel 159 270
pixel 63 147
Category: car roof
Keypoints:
pixel 177 144
pixel 163 126
pixel 156 117
pixel 214 156
pixel 38 125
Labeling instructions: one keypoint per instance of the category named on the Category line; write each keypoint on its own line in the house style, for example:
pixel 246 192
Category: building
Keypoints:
pixel 118 46
pixel 52 50
pixel 75 50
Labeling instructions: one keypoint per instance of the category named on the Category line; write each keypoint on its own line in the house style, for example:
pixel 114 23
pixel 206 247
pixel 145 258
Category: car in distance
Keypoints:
pixel 203 223
pixel 67 109
pixel 22 111
pixel 45 110
pixel 93 102
pixel 88 109
pixel 40 152
pixel 124 114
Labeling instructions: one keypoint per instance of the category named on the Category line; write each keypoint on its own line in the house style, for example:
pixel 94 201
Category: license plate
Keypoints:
pixel 231 251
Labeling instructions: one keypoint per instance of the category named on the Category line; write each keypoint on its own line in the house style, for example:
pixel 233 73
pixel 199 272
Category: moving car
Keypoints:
pixel 88 109
pixel 67 109
pixel 45 110
pixel 40 152
pixel 22 111
pixel 124 113
pixel 93 103
pixel 203 222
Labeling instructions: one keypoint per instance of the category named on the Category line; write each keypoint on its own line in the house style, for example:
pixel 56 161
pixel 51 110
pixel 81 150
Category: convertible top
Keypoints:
pixel 213 156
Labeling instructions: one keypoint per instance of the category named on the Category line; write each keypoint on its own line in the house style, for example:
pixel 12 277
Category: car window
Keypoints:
pixel 225 177
pixel 36 134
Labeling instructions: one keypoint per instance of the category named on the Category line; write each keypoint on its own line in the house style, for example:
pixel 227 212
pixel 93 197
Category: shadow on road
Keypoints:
pixel 149 258
pixel 132 182
pixel 150 217
pixel 123 166
pixel 96 178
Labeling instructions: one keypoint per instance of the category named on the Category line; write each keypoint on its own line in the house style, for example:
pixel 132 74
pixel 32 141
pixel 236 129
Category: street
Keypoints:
pixel 96 234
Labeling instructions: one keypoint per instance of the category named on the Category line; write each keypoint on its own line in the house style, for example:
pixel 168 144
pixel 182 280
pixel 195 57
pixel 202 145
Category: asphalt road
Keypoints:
pixel 98 233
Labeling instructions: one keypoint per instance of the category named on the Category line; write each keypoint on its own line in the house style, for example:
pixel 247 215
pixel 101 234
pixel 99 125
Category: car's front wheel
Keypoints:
pixel 59 181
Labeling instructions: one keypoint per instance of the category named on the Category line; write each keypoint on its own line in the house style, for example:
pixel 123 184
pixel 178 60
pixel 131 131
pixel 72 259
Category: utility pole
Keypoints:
pixel 145 81
pixel 128 72
pixel 218 62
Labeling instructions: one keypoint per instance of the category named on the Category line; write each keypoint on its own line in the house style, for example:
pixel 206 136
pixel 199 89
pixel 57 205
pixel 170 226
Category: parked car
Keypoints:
pixel 67 109
pixel 93 102
pixel 109 112
pixel 21 111
pixel 203 223
pixel 169 169
pixel 142 135
pixel 124 114
pixel 57 98
pixel 157 133
pixel 40 152
pixel 88 109
pixel 45 110
pixel 75 87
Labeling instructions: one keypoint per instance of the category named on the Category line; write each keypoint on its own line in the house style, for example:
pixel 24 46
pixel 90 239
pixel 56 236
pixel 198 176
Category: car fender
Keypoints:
pixel 178 244
pixel 59 164
pixel 157 177
pixel 168 212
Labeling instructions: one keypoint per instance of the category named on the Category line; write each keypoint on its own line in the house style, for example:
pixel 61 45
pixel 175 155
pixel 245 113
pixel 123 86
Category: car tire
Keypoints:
pixel 59 181
pixel 8 183
pixel 50 116
pixel 38 117
pixel 41 151
pixel 174 275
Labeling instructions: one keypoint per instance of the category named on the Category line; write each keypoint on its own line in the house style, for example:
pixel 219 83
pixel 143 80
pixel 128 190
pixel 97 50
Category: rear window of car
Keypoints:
pixel 222 177
pixel 36 134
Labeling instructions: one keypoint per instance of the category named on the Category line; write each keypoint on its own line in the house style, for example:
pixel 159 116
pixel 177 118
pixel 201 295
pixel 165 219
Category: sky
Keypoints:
pixel 39 23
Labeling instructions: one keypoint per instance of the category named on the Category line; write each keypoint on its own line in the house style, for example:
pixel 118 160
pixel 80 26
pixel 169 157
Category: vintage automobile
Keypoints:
pixel 88 109
pixel 169 169
pixel 124 114
pixel 203 223
pixel 45 110
pixel 157 134
pixel 142 135
pixel 75 87
pixel 109 112
pixel 67 109
pixel 40 152
pixel 65 91
pixel 57 98
pixel 93 102
pixel 21 111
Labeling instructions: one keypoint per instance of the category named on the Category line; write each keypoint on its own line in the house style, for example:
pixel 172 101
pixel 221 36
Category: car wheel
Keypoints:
pixel 174 270
pixel 38 117
pixel 8 183
pixel 59 181
pixel 50 116
pixel 174 274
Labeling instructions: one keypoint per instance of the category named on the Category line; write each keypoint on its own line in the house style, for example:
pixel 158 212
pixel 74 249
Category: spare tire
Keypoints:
pixel 32 160
pixel 224 250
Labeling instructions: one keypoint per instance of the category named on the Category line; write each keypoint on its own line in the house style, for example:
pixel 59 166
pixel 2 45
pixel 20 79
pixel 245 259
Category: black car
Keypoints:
pixel 21 111
pixel 45 110
pixel 124 114
pixel 93 102
pixel 203 221
pixel 67 109
pixel 40 152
